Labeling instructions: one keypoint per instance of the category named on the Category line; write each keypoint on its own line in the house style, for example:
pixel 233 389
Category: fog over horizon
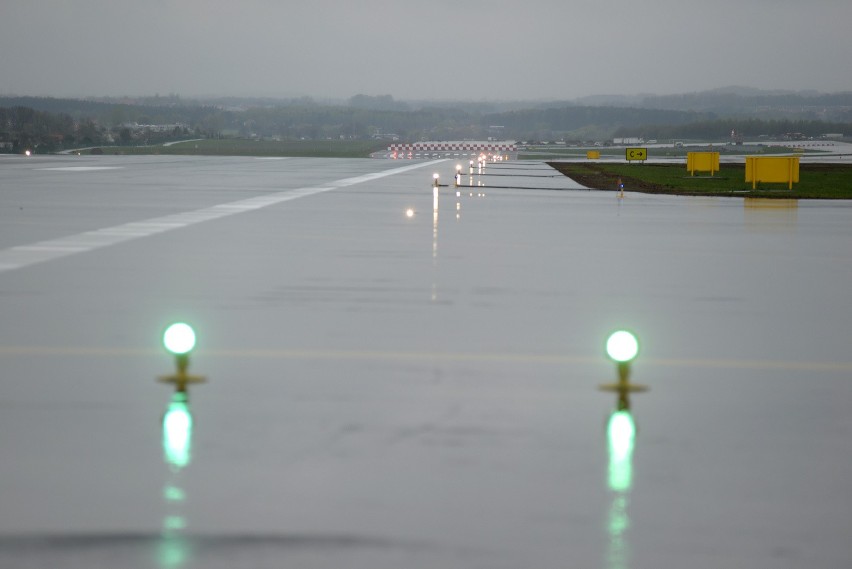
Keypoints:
pixel 441 50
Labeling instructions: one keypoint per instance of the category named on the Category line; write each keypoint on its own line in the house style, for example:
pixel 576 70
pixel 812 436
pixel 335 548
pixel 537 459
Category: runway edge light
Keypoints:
pixel 622 347
pixel 179 339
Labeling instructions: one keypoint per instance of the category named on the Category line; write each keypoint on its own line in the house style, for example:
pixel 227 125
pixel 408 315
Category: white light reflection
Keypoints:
pixel 173 551
pixel 435 245
pixel 621 435
pixel 177 432
pixel 618 521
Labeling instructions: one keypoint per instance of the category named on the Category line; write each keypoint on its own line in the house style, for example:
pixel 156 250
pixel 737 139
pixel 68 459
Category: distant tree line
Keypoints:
pixel 835 107
pixel 47 124
pixel 23 128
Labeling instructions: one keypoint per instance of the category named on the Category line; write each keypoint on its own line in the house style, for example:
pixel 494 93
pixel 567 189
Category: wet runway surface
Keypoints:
pixel 399 380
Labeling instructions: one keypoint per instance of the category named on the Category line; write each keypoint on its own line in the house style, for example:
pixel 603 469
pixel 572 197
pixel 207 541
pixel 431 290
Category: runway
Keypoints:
pixel 397 378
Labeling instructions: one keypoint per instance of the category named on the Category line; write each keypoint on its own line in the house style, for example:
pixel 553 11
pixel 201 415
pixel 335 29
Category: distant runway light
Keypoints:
pixel 409 212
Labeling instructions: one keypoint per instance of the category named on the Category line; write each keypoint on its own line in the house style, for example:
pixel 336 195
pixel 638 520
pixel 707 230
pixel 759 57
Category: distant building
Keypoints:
pixel 153 127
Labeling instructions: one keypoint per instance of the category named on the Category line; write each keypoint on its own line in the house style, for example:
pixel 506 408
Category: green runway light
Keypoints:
pixel 622 346
pixel 177 432
pixel 179 338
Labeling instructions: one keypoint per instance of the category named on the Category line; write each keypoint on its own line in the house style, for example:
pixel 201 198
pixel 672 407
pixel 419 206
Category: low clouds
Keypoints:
pixel 539 49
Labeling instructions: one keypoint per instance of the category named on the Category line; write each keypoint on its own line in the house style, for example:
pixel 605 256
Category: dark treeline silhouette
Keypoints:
pixel 49 124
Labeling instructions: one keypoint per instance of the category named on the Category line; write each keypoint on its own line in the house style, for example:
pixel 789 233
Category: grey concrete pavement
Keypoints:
pixel 389 390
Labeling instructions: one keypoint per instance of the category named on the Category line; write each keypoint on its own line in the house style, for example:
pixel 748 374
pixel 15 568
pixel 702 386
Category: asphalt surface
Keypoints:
pixel 395 388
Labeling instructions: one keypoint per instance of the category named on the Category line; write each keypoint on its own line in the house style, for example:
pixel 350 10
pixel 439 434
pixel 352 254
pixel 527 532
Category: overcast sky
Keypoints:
pixel 427 49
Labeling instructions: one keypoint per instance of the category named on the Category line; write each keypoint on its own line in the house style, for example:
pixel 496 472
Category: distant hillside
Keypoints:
pixel 73 107
pixel 567 122
pixel 153 110
pixel 744 102
pixel 50 124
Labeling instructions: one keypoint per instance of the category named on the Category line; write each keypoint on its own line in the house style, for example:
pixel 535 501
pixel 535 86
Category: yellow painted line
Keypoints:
pixel 377 355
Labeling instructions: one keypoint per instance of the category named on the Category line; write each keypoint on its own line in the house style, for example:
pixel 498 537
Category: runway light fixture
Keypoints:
pixel 622 346
pixel 179 340
pixel 435 177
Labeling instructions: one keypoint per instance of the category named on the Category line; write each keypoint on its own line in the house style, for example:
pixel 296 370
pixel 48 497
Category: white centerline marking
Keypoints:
pixel 24 255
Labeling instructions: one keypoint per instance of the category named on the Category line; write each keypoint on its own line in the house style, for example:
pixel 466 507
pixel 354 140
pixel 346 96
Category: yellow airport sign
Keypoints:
pixel 702 161
pixel 772 169
pixel 593 154
pixel 636 154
